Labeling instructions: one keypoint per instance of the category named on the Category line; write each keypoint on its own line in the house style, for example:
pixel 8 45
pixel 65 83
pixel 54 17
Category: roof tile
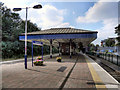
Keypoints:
pixel 61 30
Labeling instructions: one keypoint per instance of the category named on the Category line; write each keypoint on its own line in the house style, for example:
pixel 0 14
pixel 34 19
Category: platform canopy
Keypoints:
pixel 62 35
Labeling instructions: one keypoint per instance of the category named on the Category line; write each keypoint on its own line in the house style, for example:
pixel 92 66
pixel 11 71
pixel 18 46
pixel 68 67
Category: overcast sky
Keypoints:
pixel 97 16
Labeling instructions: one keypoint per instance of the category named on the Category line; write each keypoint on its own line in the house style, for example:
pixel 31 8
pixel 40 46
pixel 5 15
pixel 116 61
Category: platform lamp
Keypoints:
pixel 18 9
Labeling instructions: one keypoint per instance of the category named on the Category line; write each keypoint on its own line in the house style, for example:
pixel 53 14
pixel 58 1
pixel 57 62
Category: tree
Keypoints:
pixel 31 27
pixel 97 46
pixel 92 47
pixel 117 31
pixel 12 27
pixel 110 42
pixel 0 29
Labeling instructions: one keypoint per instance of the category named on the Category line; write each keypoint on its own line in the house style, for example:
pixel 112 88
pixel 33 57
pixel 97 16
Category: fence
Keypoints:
pixel 109 57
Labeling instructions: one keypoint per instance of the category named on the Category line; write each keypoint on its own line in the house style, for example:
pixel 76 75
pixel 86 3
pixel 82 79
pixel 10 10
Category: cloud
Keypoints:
pixel 46 17
pixel 65 25
pixel 49 16
pixel 107 31
pixel 100 12
pixel 14 3
pixel 105 12
pixel 73 13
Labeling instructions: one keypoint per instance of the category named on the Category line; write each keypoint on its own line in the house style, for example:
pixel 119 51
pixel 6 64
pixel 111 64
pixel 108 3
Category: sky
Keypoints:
pixel 96 15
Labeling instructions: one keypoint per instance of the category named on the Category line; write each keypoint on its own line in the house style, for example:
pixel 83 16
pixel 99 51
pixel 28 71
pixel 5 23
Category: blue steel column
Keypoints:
pixel 59 48
pixel 70 49
pixel 50 48
pixel 42 51
pixel 32 53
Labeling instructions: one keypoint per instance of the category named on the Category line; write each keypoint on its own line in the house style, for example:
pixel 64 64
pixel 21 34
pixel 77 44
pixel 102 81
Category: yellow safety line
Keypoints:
pixel 95 76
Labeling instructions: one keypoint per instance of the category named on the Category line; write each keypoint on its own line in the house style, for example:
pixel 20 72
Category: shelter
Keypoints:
pixel 67 39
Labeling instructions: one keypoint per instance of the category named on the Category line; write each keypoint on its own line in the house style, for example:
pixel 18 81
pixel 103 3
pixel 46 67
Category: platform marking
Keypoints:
pixel 95 76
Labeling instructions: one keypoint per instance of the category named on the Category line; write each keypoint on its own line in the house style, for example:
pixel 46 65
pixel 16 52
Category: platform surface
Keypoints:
pixel 80 72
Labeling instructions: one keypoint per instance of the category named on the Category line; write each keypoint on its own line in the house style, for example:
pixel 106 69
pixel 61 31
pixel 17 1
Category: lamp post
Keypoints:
pixel 18 9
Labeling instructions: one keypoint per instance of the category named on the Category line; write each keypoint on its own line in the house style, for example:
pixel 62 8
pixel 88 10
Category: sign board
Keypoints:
pixel 37 43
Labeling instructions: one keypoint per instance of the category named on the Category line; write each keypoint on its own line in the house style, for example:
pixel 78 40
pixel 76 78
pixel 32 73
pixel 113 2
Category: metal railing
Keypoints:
pixel 109 57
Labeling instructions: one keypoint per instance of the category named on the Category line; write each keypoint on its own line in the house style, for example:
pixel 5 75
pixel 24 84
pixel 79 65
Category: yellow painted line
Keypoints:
pixel 95 76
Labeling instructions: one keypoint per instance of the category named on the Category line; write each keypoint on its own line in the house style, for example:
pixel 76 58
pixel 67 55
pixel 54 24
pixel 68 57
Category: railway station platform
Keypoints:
pixel 80 72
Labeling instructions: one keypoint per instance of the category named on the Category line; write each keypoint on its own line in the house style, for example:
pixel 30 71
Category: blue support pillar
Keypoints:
pixel 42 51
pixel 59 48
pixel 32 53
pixel 25 61
pixel 70 49
pixel 50 48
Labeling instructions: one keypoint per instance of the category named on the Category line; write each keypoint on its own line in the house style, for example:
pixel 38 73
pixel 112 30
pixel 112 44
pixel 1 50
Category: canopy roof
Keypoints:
pixel 61 31
pixel 61 35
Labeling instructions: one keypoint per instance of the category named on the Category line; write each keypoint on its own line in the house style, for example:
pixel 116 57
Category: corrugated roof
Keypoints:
pixel 61 31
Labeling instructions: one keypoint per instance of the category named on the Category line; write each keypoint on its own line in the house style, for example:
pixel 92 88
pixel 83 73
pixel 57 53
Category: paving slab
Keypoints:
pixel 78 74
pixel 47 76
